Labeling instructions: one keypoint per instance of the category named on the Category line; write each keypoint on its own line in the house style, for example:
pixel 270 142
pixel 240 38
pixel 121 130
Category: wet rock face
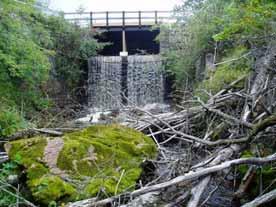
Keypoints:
pixel 97 161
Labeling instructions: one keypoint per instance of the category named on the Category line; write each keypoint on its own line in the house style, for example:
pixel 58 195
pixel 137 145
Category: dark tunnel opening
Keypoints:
pixel 138 41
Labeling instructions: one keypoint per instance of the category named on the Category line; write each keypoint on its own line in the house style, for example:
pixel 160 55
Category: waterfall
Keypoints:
pixel 145 79
pixel 137 79
pixel 104 82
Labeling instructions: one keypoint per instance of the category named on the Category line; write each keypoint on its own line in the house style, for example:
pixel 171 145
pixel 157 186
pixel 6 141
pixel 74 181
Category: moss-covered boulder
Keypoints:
pixel 97 161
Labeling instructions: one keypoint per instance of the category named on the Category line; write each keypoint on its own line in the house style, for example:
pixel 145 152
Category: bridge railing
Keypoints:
pixel 119 18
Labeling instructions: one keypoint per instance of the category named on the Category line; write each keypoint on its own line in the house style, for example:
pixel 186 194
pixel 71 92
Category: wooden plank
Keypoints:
pixel 91 19
pixel 107 18
pixel 124 18
pixel 140 23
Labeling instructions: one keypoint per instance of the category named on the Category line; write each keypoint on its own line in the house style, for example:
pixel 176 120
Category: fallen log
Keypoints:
pixel 28 133
pixel 49 132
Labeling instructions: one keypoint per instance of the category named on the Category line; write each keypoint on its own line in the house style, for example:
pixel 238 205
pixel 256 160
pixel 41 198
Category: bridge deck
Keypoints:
pixel 119 18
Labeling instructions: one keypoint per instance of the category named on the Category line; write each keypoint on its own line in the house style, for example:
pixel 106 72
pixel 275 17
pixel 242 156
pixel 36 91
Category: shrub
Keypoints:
pixel 10 121
pixel 236 65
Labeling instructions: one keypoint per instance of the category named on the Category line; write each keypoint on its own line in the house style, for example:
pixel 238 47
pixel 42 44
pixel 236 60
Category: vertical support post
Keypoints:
pixel 156 17
pixel 140 20
pixel 124 44
pixel 124 83
pixel 107 19
pixel 91 19
pixel 124 19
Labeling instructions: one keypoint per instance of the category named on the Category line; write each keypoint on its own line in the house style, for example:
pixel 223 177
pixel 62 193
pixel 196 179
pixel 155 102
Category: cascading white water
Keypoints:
pixel 142 82
pixel 145 80
pixel 104 82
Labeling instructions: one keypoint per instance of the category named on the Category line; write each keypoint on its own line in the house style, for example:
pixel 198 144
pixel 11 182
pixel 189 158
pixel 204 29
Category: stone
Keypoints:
pixel 12 179
pixel 146 200
pixel 100 161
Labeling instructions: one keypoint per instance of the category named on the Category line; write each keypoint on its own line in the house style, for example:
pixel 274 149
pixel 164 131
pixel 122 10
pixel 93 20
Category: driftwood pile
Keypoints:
pixel 217 132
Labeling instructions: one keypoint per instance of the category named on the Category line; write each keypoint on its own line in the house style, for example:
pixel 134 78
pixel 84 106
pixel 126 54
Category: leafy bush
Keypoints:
pixel 221 78
pixel 235 65
pixel 191 37
pixel 73 45
pixel 24 62
pixel 8 192
pixel 213 26
pixel 10 121
pixel 252 20
pixel 33 45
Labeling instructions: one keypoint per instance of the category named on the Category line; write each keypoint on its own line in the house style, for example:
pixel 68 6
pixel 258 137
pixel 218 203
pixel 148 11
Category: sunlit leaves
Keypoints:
pixel 248 19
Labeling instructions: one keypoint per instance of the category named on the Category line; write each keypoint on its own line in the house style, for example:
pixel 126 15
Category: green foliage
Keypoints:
pixel 233 68
pixel 248 20
pixel 191 37
pixel 214 26
pixel 7 192
pixel 10 121
pixel 265 173
pixel 6 199
pixel 32 45
pixel 72 45
pixel 24 63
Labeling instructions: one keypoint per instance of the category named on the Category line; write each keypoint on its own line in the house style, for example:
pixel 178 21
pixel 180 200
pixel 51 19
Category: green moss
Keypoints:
pixel 99 160
pixel 112 184
pixel 103 152
pixel 51 188
pixel 36 170
pixel 29 150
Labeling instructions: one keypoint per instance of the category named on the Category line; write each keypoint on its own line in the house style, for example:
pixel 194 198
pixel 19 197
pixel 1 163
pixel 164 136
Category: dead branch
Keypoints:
pixel 231 85
pixel 197 192
pixel 246 180
pixel 270 121
pixel 262 199
pixel 228 117
pixel 178 200
pixel 188 176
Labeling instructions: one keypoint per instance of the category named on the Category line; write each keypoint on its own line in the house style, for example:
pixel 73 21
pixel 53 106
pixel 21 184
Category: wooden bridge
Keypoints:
pixel 120 20
pixel 128 31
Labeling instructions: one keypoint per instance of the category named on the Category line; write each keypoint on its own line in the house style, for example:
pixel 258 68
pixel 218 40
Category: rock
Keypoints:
pixel 146 200
pixel 97 161
pixel 12 179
